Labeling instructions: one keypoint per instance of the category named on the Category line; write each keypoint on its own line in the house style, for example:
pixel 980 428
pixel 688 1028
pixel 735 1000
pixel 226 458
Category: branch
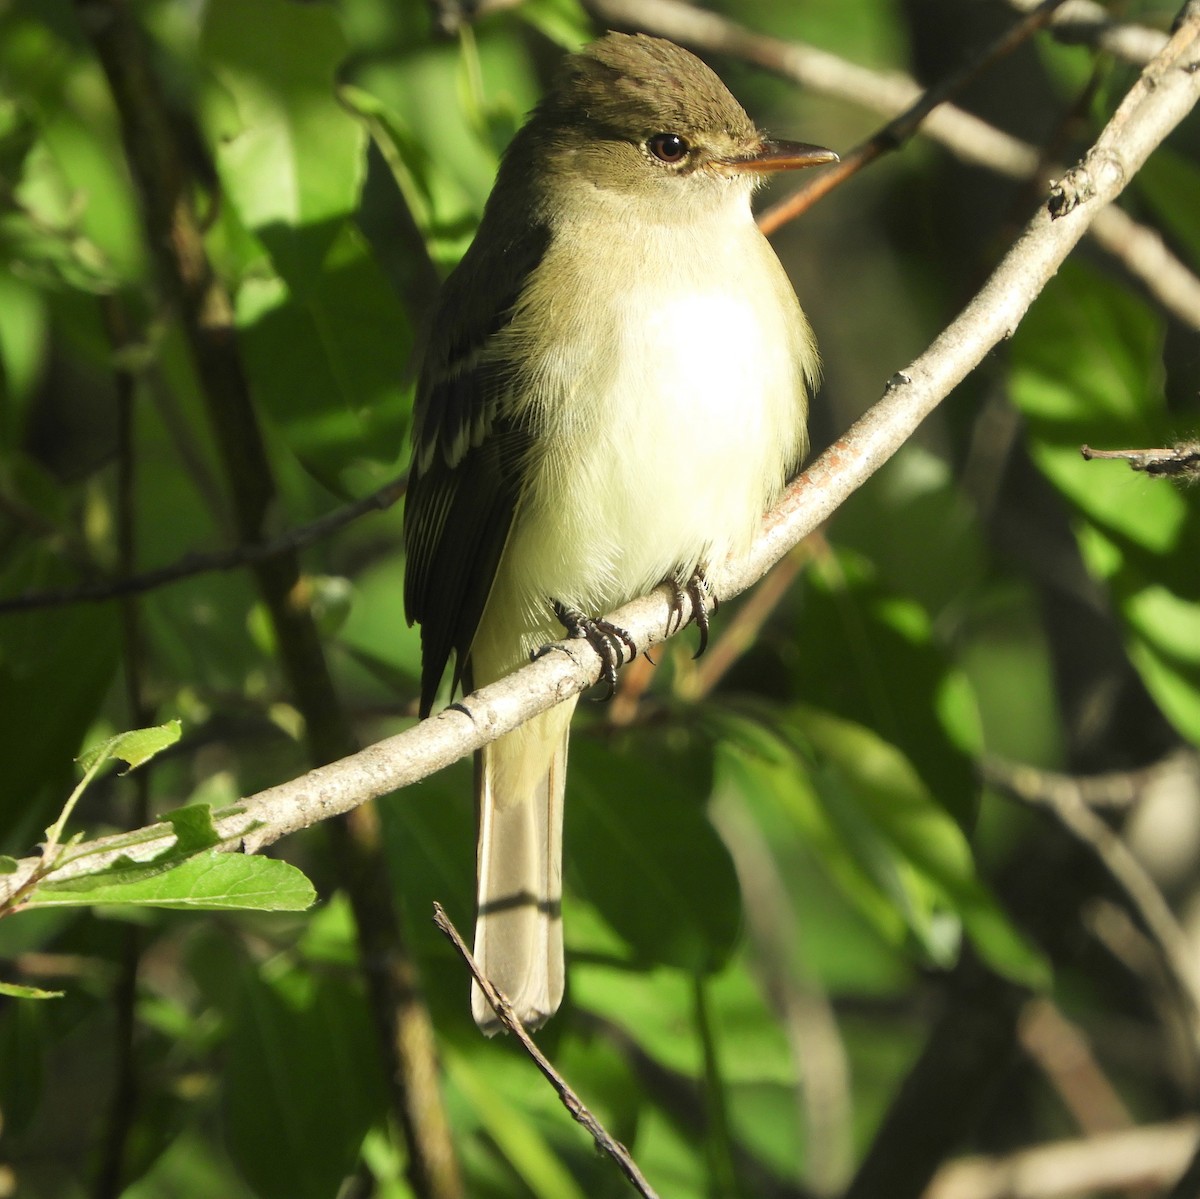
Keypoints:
pixel 1087 22
pixel 501 1005
pixel 904 125
pixel 195 564
pixel 1160 99
pixel 1181 461
pixel 1139 249
pixel 1150 1157
pixel 1063 1053
pixel 1115 790
pixel 1139 889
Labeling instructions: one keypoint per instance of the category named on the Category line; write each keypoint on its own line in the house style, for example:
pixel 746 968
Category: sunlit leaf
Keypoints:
pixel 17 991
pixel 135 747
pixel 211 881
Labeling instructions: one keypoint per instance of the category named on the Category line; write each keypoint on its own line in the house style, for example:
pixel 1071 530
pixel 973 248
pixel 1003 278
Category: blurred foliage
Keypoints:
pixel 767 888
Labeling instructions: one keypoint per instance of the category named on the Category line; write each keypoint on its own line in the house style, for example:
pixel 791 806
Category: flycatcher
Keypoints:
pixel 614 392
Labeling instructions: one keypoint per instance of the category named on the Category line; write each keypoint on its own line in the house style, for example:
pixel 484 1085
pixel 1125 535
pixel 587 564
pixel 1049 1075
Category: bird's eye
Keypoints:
pixel 669 147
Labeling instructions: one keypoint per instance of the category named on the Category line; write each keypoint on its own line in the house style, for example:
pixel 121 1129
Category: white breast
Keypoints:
pixel 667 447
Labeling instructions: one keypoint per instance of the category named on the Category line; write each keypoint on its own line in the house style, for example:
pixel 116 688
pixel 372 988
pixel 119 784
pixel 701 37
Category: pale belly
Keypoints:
pixel 669 468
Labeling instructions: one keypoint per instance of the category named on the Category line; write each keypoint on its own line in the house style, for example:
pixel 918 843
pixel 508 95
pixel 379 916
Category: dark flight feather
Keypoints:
pixel 471 453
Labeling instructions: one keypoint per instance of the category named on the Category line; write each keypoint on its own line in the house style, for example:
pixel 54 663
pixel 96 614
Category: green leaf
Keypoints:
pixel 446 214
pixel 16 991
pixel 654 1007
pixel 290 157
pixel 564 22
pixel 302 1082
pixel 905 824
pixel 871 656
pixel 83 224
pixel 514 1134
pixel 211 881
pixel 1087 368
pixel 8 865
pixel 328 354
pixel 875 828
pixel 642 851
pixel 22 337
pixel 194 829
pixel 38 651
pixel 134 748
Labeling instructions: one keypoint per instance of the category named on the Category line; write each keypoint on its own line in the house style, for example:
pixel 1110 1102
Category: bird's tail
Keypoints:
pixel 518 932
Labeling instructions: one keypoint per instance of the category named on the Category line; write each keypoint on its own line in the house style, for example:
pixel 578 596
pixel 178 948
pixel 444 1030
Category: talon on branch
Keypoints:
pixel 703 602
pixel 610 641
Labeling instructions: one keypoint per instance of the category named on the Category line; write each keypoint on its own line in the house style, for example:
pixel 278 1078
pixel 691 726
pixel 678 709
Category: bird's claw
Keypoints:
pixel 610 641
pixel 703 602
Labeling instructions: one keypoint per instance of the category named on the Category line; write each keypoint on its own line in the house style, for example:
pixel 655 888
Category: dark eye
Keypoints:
pixel 669 147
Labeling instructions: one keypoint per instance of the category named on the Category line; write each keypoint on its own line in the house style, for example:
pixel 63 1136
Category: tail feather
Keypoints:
pixel 518 931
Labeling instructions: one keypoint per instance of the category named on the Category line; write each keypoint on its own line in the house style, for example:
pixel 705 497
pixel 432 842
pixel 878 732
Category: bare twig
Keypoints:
pixel 195 564
pixel 125 1098
pixel 1065 1057
pixel 1085 21
pixel 1180 461
pixel 1143 253
pixel 1140 890
pixel 902 127
pixel 1118 789
pixel 804 1011
pixel 578 1110
pixel 1139 249
pixel 742 631
pixel 1152 1156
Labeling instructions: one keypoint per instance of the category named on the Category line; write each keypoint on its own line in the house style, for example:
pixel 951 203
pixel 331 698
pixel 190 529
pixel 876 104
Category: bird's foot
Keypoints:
pixel 703 602
pixel 610 641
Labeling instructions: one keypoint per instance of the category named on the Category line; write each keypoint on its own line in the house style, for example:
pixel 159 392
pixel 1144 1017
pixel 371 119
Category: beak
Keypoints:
pixel 774 156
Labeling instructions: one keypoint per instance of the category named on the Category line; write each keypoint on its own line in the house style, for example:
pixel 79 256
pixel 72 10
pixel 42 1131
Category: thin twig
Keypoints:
pixel 1087 22
pixel 217 560
pixel 578 1110
pixel 742 631
pixel 801 1006
pixel 1180 461
pixel 1152 1156
pixel 1116 790
pixel 1139 889
pixel 1064 1055
pixel 902 127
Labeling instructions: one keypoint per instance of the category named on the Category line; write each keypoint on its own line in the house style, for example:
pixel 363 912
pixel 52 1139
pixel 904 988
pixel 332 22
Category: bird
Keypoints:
pixel 614 390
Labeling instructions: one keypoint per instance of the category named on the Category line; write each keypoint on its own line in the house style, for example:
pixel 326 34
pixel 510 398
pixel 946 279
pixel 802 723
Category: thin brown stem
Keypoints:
pixel 900 128
pixel 1180 461
pixel 742 631
pixel 123 1101
pixel 1064 1055
pixel 1141 893
pixel 1139 1160
pixel 1088 23
pixel 250 554
pixel 500 1004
